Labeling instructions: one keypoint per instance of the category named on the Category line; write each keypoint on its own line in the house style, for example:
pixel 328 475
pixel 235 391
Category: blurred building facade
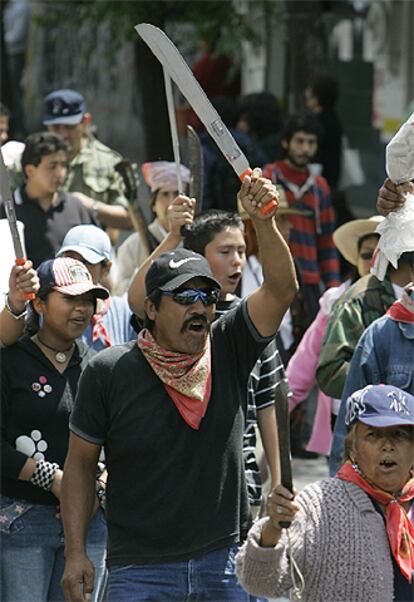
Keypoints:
pixel 368 45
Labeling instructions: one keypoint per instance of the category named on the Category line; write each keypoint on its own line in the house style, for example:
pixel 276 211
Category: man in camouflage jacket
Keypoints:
pixel 362 303
pixel 91 171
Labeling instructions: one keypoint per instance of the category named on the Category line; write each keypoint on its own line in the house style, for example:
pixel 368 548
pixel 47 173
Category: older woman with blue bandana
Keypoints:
pixel 351 537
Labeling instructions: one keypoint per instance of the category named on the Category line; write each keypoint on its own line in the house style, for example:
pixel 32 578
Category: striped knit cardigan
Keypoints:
pixel 339 542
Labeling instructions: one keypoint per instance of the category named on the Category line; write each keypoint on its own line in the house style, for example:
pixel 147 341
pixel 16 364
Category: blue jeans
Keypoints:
pixel 208 577
pixel 32 554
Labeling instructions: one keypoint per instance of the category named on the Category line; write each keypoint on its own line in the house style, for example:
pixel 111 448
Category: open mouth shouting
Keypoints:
pixel 196 325
pixel 387 465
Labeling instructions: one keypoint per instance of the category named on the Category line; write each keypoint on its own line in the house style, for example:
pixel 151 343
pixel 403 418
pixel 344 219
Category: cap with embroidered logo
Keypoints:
pixel 173 269
pixel 65 107
pixel 68 276
pixel 380 406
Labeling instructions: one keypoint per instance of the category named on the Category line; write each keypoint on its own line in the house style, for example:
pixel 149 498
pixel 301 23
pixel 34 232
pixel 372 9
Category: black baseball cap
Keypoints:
pixel 173 269
pixel 64 106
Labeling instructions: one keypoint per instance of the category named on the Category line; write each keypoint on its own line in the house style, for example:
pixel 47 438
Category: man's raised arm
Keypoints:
pixel 268 304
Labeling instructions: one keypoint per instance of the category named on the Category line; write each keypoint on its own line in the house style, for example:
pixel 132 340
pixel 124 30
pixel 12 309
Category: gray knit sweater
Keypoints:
pixel 339 542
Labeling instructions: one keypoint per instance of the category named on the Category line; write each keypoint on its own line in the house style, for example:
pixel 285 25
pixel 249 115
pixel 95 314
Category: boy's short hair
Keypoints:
pixel 301 123
pixel 207 225
pixel 40 145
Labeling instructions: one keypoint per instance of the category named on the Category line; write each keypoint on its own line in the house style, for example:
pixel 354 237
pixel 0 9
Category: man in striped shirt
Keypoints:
pixel 311 240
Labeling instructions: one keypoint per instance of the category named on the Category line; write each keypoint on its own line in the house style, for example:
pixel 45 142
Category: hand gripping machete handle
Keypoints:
pixel 27 296
pixel 18 248
pixel 270 205
pixel 283 428
pixel 7 200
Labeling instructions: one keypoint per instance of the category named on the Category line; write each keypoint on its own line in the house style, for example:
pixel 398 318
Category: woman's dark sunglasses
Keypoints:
pixel 367 255
pixel 189 296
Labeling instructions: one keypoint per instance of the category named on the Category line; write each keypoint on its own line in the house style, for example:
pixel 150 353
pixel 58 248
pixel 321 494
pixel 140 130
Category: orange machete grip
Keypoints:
pixel 270 205
pixel 27 296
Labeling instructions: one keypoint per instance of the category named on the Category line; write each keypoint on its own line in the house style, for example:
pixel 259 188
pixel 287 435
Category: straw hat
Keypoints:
pixel 346 237
pixel 283 207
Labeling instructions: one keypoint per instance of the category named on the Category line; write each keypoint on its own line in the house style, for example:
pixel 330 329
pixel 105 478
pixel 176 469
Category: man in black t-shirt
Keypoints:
pixel 169 412
pixel 219 236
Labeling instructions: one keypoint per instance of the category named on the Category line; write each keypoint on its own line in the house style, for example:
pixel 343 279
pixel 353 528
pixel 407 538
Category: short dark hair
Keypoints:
pixel 4 111
pixel 261 111
pixel 301 123
pixel 207 225
pixel 406 258
pixel 227 109
pixel 40 145
pixel 325 88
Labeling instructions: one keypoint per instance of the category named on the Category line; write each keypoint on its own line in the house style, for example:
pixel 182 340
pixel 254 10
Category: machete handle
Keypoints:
pixel 27 296
pixel 286 480
pixel 284 524
pixel 185 228
pixel 270 205
pixel 289 485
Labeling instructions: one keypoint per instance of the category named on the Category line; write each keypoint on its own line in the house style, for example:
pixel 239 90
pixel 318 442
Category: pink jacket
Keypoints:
pixel 301 373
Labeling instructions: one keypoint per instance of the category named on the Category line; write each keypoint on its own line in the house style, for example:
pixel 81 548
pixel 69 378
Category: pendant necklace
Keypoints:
pixel 60 354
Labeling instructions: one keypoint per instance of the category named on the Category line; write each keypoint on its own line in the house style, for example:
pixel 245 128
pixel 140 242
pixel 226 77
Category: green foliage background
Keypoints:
pixel 216 21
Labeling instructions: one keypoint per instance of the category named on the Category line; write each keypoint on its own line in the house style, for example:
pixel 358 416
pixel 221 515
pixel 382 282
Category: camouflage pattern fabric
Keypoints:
pixel 361 304
pixel 91 172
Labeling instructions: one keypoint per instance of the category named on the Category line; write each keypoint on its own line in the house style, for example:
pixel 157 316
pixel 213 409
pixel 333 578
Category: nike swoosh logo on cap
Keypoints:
pixel 176 264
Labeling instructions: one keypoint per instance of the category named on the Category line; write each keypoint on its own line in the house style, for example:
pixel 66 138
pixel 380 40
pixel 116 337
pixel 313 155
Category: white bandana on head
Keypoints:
pixel 162 174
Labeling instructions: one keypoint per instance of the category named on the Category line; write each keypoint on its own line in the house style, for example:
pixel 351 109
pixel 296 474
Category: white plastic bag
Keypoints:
pixel 397 229
pixel 400 153
pixel 396 237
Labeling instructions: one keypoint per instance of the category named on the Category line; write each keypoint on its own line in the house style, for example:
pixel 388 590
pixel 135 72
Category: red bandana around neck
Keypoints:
pixel 402 310
pixel 400 530
pixel 99 330
pixel 186 378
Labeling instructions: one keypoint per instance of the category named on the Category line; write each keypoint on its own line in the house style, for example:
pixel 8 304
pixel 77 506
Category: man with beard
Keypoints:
pixel 170 412
pixel 311 240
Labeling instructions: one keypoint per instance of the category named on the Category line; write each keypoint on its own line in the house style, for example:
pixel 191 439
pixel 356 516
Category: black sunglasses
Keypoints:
pixel 367 255
pixel 190 296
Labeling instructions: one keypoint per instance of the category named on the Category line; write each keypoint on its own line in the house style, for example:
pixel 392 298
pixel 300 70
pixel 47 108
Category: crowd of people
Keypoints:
pixel 141 369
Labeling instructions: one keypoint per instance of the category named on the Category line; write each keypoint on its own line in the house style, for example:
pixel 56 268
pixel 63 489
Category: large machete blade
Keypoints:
pixel 195 155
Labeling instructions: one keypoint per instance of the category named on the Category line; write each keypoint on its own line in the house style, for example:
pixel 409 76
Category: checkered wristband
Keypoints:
pixel 44 474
